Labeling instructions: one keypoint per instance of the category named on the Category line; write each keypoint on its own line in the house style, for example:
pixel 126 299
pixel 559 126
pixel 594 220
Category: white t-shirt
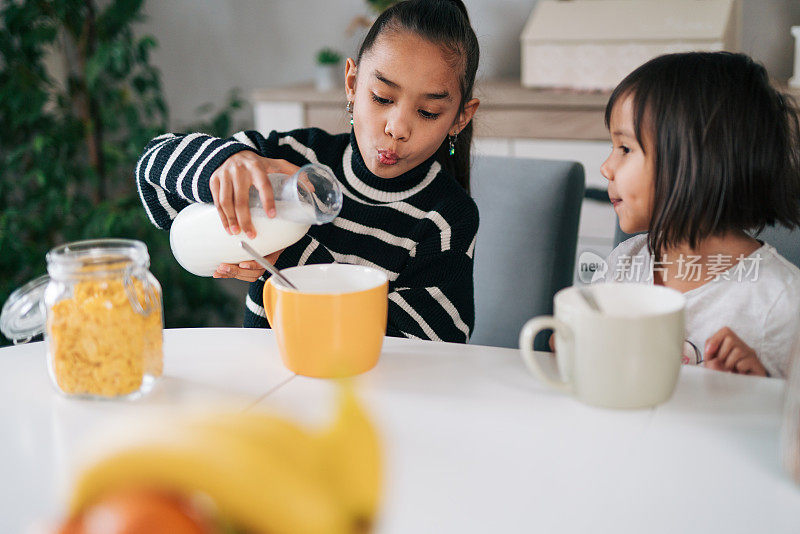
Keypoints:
pixel 758 297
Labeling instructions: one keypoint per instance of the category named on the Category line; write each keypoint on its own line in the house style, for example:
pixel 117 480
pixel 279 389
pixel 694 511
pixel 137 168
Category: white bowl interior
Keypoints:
pixel 334 278
pixel 627 300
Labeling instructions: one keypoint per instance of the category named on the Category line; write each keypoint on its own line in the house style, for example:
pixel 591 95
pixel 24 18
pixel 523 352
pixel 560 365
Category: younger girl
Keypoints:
pixel 705 152
pixel 404 169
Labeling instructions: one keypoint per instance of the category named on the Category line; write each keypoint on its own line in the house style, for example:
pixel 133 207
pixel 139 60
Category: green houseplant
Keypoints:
pixel 328 56
pixel 71 137
pixel 327 70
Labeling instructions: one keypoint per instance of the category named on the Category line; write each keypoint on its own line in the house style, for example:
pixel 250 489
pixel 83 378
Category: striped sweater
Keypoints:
pixel 419 228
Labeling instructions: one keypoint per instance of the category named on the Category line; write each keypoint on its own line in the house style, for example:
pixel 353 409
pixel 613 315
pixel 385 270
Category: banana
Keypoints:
pixel 283 439
pixel 256 489
pixel 262 472
pixel 352 460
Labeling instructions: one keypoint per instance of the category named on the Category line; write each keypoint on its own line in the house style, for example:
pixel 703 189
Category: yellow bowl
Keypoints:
pixel 333 325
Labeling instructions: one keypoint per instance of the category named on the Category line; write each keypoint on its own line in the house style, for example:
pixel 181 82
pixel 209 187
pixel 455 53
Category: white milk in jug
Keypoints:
pixel 200 243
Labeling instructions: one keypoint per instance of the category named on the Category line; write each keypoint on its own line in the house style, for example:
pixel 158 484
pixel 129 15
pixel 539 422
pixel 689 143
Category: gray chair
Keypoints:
pixel 525 249
pixel 785 241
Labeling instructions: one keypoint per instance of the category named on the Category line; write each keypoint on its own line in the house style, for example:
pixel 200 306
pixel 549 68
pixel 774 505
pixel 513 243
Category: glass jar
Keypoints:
pixel 100 310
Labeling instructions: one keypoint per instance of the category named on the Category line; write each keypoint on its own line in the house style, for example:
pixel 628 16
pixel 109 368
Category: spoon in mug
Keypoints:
pixel 274 271
pixel 588 296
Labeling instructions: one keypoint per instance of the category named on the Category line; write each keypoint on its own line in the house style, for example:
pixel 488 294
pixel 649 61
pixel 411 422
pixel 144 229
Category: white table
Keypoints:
pixel 472 443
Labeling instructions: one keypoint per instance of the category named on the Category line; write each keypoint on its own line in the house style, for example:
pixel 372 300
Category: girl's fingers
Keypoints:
pixel 230 270
pixel 241 189
pixel 224 270
pixel 226 204
pixel 751 366
pixel 711 349
pixel 713 343
pixel 725 350
pixel 736 355
pixel 251 266
pixel 745 366
pixel 274 166
pixel 265 193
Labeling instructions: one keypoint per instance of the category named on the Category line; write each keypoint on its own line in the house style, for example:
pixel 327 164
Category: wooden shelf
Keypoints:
pixel 507 110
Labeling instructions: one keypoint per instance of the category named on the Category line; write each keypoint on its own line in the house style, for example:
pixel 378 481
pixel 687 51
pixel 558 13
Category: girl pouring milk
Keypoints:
pixel 403 168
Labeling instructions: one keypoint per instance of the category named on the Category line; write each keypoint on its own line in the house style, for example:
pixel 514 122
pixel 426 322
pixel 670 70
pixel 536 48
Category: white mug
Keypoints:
pixel 628 355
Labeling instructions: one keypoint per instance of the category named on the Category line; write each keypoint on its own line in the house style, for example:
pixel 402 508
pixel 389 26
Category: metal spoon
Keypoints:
pixel 588 296
pixel 268 266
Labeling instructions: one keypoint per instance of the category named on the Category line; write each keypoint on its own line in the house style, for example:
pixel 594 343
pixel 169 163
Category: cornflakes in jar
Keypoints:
pixel 100 309
pixel 100 344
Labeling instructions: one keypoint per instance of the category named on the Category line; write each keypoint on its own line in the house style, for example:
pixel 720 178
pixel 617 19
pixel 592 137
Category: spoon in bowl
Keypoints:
pixel 588 297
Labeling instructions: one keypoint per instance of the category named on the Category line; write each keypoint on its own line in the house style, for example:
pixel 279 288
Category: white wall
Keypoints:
pixel 766 34
pixel 209 46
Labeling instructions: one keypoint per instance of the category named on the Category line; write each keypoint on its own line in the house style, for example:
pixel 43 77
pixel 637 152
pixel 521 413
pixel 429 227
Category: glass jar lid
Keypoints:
pixel 100 256
pixel 24 315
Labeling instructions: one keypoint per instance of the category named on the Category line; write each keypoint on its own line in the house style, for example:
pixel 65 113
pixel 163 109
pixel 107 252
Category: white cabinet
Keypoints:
pixel 278 116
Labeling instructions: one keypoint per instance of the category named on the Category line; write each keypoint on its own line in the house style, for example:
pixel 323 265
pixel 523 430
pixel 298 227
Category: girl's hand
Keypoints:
pixel 726 352
pixel 230 188
pixel 249 271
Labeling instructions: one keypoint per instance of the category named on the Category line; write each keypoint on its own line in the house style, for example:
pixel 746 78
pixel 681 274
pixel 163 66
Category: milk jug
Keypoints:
pixel 200 243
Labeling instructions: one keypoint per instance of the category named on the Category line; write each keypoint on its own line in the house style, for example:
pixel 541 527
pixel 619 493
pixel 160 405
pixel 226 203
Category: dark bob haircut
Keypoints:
pixel 725 146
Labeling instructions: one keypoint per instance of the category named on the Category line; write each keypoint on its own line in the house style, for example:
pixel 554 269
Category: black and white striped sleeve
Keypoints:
pixel 432 297
pixel 175 169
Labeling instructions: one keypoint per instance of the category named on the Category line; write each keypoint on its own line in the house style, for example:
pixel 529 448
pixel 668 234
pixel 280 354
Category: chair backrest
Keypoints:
pixel 785 241
pixel 525 250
